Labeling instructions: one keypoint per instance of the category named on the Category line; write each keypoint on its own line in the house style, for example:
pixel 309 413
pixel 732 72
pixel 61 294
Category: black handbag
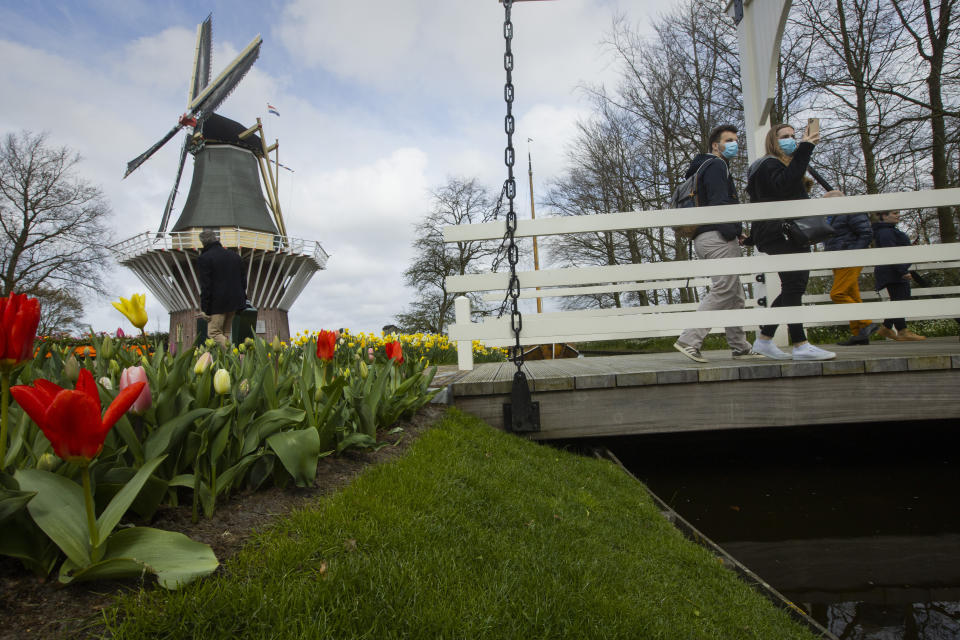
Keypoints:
pixel 811 230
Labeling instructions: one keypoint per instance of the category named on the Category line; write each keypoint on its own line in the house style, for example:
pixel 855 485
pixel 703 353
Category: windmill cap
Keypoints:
pixel 207 237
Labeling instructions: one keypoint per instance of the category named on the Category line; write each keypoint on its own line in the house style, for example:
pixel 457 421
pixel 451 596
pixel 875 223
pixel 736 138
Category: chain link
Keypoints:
pixel 510 188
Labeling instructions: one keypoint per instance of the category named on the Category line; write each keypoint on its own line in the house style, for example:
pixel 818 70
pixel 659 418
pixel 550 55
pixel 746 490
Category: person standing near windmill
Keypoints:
pixel 223 286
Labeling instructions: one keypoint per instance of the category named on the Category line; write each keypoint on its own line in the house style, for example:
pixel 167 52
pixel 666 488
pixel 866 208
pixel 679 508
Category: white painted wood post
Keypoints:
pixel 464 347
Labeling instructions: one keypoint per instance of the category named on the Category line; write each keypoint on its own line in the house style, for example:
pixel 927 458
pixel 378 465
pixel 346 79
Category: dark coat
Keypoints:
pixel 715 186
pixel 769 180
pixel 853 232
pixel 886 234
pixel 223 281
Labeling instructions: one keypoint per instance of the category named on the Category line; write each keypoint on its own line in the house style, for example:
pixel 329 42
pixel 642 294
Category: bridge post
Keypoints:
pixel 464 347
pixel 759 35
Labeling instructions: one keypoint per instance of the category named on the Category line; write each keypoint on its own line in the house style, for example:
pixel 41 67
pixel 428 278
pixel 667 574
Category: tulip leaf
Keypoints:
pixel 24 540
pixel 125 430
pixel 173 557
pixel 59 510
pixel 268 423
pixel 226 479
pixel 299 452
pixel 170 433
pixel 13 501
pixel 124 498
pixel 356 439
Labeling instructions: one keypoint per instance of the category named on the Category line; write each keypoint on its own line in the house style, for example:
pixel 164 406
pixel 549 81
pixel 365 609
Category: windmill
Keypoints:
pixel 226 195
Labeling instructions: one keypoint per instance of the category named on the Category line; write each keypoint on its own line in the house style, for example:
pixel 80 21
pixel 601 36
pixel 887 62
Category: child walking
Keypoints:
pixel 895 278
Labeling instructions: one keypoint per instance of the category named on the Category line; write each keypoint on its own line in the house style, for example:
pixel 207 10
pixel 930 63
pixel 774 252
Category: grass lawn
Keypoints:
pixel 474 533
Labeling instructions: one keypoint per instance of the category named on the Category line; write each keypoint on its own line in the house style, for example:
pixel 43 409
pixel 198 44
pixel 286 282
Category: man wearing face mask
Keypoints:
pixel 717 240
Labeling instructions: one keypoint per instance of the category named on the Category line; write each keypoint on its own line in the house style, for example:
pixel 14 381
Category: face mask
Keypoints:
pixel 788 145
pixel 730 149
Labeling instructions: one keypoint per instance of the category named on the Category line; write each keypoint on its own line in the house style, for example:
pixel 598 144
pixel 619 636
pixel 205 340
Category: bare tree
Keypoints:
pixel 933 32
pixel 53 231
pixel 459 201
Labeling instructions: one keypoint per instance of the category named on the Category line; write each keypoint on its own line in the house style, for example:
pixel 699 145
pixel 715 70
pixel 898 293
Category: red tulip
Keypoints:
pixel 132 375
pixel 394 351
pixel 70 418
pixel 326 345
pixel 19 317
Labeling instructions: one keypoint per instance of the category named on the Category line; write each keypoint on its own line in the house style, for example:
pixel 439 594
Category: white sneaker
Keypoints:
pixel 691 352
pixel 810 352
pixel 767 348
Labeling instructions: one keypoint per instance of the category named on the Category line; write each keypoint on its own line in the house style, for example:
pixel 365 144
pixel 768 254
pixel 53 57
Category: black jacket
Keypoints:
pixel 223 281
pixel 853 232
pixel 715 186
pixel 886 234
pixel 769 180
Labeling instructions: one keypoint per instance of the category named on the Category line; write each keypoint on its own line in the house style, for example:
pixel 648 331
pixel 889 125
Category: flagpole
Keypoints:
pixel 536 257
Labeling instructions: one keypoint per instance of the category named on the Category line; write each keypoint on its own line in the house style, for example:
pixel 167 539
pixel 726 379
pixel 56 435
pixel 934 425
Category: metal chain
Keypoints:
pixel 510 187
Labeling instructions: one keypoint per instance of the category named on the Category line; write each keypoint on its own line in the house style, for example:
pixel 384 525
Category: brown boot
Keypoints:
pixel 884 332
pixel 906 334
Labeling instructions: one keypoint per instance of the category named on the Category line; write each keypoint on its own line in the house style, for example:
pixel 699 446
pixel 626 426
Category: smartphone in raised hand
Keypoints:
pixel 813 127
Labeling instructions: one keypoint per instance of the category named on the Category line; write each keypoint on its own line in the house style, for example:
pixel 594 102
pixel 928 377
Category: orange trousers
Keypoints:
pixel 846 289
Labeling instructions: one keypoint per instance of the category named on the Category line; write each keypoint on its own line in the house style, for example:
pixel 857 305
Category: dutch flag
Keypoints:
pixel 272 109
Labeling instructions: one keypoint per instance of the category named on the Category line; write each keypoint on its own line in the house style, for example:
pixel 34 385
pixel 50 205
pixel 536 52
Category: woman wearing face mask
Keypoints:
pixel 780 176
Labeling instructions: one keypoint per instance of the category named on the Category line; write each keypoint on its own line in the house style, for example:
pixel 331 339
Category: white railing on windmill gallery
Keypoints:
pixel 671 319
pixel 278 267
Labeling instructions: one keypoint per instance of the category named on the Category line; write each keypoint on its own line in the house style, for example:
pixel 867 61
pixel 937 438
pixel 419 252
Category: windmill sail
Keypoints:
pixel 176 184
pixel 210 98
pixel 201 59
pixel 217 91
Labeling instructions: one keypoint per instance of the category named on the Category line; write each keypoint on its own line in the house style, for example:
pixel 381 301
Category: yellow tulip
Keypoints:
pixel 135 309
pixel 203 362
pixel 221 381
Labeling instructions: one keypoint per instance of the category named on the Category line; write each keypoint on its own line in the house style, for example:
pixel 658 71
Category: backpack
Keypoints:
pixel 686 196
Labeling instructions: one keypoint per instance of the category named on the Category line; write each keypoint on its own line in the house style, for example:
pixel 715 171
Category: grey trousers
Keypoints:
pixel 726 292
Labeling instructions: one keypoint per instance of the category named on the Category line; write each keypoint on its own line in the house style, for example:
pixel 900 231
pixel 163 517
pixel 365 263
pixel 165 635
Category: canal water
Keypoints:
pixel 859 525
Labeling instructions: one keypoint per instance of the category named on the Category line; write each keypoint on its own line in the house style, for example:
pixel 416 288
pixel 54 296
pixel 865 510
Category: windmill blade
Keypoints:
pixel 218 90
pixel 140 159
pixel 176 184
pixel 201 58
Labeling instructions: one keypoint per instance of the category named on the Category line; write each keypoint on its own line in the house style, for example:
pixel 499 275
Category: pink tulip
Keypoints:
pixel 120 333
pixel 132 375
pixel 370 355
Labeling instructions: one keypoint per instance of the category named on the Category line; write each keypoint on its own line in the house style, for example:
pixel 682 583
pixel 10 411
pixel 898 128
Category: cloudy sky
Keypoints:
pixel 380 101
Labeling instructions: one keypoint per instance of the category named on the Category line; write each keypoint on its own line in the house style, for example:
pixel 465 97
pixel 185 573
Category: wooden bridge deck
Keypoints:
pixel 666 392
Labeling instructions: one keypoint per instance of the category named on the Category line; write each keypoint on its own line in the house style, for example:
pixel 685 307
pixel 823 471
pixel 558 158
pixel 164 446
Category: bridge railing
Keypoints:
pixel 634 322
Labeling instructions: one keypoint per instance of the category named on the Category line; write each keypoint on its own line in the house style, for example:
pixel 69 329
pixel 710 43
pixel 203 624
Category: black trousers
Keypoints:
pixel 897 291
pixel 793 284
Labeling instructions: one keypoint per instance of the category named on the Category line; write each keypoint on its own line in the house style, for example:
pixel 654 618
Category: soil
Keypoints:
pixel 31 608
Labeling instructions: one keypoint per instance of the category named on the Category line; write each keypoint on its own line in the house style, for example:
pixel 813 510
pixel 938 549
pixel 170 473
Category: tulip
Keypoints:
pixel 19 317
pixel 106 383
pixel 244 390
pixel 203 363
pixel 48 462
pixel 221 381
pixel 132 375
pixel 71 368
pixel 363 370
pixel 394 351
pixel 370 355
pixel 120 333
pixel 106 348
pixel 114 367
pixel 276 344
pixel 70 418
pixel 326 345
pixel 71 421
pixel 134 309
